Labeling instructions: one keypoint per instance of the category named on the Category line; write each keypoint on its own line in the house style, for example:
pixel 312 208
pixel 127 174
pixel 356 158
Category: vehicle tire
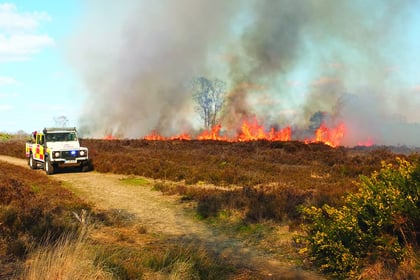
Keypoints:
pixel 32 163
pixel 49 168
pixel 84 168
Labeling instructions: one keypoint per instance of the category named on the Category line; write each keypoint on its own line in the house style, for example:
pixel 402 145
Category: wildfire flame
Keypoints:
pixel 253 131
pixel 331 137
pixel 183 136
pixel 368 143
pixel 212 134
pixel 154 136
pixel 109 137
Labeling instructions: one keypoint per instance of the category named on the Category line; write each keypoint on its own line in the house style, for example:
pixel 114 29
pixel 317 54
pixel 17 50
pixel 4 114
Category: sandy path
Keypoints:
pixel 164 214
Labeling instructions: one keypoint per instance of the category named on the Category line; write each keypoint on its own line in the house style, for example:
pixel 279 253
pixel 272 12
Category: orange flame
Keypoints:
pixel 183 136
pixel 110 137
pixel 154 136
pixel 253 131
pixel 250 131
pixel 329 136
pixel 213 134
pixel 368 143
pixel 282 135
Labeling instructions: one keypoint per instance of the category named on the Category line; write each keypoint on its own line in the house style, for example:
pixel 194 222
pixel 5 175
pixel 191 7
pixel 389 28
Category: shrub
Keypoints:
pixel 378 223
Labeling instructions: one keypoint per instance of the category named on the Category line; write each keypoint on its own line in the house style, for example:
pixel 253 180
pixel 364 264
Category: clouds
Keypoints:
pixel 5 107
pixel 6 97
pixel 19 35
pixel 4 81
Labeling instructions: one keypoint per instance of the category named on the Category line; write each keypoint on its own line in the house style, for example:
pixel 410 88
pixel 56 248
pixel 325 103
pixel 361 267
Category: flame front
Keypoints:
pixel 329 136
pixel 213 134
pixel 368 143
pixel 250 131
pixel 253 131
pixel 154 136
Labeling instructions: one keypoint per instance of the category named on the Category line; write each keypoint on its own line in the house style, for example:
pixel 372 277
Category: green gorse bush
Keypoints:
pixel 380 222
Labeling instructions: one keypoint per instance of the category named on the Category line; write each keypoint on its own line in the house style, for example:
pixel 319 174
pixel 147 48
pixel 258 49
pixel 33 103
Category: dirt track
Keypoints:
pixel 165 215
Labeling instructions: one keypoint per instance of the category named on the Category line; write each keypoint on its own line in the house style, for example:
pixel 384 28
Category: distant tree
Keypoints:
pixel 21 134
pixel 61 121
pixel 210 97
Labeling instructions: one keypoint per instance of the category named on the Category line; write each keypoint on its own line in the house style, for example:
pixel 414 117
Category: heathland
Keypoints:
pixel 279 198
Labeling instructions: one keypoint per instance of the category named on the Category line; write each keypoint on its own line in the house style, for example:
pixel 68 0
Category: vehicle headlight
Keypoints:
pixel 82 153
pixel 56 154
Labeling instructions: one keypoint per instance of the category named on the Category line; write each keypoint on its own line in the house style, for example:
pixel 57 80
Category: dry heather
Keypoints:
pixel 31 208
pixel 274 178
pixel 261 180
pixel 40 238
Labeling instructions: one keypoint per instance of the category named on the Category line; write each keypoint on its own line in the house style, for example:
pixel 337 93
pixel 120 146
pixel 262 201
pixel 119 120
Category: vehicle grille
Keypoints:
pixel 68 155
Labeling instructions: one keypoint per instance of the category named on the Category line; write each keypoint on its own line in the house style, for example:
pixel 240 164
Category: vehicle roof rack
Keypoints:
pixel 56 129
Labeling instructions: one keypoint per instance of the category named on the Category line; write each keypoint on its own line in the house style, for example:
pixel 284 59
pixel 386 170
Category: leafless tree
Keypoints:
pixel 210 97
pixel 61 121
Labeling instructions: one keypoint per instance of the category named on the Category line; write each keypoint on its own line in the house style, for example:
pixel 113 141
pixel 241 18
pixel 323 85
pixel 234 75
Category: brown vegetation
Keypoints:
pixel 32 210
pixel 273 177
pixel 14 148
pixel 224 163
pixel 262 180
pixel 43 235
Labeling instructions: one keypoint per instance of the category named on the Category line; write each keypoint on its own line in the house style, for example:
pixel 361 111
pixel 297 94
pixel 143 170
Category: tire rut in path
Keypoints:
pixel 164 214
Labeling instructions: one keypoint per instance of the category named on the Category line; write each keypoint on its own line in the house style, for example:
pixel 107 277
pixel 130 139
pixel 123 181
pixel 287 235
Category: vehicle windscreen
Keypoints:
pixel 61 137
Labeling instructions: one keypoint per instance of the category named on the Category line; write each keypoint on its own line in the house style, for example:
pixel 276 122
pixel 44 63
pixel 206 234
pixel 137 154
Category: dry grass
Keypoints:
pixel 67 258
pixel 147 256
pixel 408 270
pixel 31 208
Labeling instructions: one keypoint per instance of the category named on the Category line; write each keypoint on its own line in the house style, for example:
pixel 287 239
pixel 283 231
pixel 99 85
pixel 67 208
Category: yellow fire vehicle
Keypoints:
pixel 54 148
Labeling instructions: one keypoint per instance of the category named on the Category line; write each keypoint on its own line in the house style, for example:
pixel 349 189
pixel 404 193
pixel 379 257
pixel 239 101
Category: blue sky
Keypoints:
pixel 36 82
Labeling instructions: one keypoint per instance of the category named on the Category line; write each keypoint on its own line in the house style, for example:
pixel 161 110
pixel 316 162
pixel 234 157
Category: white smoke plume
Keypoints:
pixel 137 57
pixel 283 61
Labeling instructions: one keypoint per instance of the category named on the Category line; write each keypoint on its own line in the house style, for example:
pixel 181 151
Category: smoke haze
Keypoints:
pixel 283 62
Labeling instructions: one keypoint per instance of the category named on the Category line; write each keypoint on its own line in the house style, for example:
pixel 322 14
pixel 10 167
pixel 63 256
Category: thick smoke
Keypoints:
pixel 299 57
pixel 137 58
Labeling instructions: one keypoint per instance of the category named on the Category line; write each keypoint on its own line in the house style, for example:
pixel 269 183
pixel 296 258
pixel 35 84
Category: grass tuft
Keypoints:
pixel 135 181
pixel 69 257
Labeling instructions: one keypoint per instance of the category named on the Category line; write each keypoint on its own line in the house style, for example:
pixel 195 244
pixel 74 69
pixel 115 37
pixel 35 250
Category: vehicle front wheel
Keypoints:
pixel 49 168
pixel 32 162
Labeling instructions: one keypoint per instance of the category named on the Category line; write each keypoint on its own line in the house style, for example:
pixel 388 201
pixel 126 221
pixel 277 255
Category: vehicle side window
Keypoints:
pixel 41 139
pixel 70 137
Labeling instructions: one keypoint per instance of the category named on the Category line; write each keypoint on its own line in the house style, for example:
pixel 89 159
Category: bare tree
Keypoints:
pixel 61 121
pixel 210 97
